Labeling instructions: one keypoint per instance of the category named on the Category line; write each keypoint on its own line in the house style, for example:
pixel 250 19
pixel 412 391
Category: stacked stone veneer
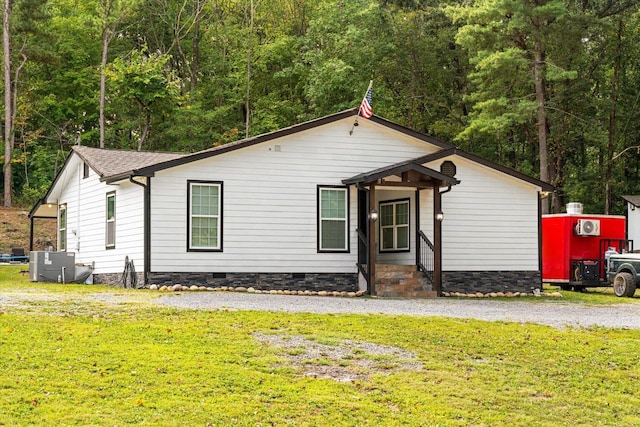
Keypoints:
pixel 398 286
pixel 491 281
pixel 263 281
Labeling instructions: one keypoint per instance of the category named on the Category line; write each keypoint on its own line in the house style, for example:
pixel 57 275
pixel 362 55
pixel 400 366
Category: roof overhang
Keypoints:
pixel 454 151
pixel 42 209
pixel 409 173
pixel 633 200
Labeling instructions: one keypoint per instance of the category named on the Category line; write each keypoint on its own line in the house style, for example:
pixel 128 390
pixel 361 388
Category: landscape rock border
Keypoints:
pixel 502 294
pixel 251 290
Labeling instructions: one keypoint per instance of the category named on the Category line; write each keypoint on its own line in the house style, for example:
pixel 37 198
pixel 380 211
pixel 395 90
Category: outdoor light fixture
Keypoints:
pixel 373 214
pixel 440 216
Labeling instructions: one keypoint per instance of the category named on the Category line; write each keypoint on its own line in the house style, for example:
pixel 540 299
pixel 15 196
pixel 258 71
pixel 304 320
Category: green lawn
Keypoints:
pixel 74 355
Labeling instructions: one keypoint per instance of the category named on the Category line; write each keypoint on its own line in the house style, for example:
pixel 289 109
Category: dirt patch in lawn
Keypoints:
pixel 343 360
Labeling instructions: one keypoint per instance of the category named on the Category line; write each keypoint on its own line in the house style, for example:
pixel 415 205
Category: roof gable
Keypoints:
pixel 147 171
pixel 425 174
pixel 115 165
pixel 454 151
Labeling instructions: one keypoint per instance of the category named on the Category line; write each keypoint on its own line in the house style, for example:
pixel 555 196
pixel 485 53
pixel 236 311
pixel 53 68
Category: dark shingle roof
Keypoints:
pixel 107 162
pixel 634 200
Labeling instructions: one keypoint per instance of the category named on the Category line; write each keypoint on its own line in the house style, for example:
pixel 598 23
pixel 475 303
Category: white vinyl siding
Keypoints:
pixel 110 233
pixel 633 225
pixel 85 201
pixel 205 208
pixel 270 200
pixel 394 226
pixel 490 220
pixel 271 218
pixel 333 221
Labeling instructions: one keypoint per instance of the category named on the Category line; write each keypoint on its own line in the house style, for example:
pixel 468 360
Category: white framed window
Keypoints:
pixel 333 224
pixel 62 228
pixel 110 233
pixel 205 216
pixel 394 226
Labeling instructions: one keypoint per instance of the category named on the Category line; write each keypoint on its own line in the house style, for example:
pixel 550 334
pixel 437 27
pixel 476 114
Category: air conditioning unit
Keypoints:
pixel 588 227
pixel 52 266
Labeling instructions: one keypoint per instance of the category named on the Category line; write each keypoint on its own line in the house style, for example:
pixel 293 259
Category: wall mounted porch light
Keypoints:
pixel 440 216
pixel 373 214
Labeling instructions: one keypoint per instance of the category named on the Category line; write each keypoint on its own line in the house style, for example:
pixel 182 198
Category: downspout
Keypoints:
pixel 540 239
pixel 77 233
pixel 146 226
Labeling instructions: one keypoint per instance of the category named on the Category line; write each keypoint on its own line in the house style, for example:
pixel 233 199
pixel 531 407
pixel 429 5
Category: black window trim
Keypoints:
pixel 220 215
pixel 106 221
pixel 348 225
pixel 387 202
pixel 62 207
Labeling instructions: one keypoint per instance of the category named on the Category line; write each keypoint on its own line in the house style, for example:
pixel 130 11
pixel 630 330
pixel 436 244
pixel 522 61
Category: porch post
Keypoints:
pixel 31 234
pixel 417 230
pixel 437 241
pixel 372 241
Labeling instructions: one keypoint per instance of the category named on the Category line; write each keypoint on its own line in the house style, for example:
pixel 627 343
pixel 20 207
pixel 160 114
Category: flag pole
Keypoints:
pixel 355 123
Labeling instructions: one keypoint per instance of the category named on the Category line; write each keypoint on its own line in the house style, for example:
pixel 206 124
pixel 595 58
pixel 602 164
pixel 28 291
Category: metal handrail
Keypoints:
pixel 426 258
pixel 363 267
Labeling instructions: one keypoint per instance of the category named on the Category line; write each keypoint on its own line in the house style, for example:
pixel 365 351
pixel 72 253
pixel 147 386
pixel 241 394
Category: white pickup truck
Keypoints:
pixel 622 273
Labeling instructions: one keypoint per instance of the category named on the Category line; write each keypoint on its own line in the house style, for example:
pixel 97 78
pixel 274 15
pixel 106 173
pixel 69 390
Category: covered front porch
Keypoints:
pixel 400 228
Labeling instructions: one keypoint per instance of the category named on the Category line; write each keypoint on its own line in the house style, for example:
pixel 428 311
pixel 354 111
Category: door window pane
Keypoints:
pixel 394 225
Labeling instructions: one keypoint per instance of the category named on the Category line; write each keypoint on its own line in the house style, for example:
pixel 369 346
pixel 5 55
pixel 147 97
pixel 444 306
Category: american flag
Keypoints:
pixel 366 110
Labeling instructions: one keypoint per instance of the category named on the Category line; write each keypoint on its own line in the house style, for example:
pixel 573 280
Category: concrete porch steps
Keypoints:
pixel 402 281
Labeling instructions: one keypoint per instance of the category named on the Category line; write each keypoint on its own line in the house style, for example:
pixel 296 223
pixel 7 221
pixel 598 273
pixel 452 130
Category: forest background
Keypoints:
pixel 548 87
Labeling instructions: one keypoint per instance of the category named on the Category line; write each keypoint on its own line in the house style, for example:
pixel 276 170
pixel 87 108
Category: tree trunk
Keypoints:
pixel 145 130
pixel 613 98
pixel 8 114
pixel 103 85
pixel 541 115
pixel 195 68
pixel 249 59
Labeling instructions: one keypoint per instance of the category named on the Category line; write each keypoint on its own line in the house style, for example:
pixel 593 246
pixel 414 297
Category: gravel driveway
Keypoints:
pixel 553 313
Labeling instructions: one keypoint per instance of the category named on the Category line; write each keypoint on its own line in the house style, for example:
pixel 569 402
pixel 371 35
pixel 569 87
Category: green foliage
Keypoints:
pixel 188 75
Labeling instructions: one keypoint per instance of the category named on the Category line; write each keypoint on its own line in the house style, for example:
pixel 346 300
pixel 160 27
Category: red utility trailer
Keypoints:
pixel 575 248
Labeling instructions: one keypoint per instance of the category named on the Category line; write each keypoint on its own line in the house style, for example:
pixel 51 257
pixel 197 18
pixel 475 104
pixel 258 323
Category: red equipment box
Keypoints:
pixel 568 238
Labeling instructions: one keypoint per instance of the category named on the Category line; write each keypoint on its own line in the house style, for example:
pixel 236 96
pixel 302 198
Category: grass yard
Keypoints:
pixel 95 356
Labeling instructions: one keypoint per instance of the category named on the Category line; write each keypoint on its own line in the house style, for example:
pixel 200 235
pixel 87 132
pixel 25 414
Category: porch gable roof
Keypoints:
pixel 414 172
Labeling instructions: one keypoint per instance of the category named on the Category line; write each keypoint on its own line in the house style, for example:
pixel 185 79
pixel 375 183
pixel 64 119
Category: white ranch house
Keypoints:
pixel 321 205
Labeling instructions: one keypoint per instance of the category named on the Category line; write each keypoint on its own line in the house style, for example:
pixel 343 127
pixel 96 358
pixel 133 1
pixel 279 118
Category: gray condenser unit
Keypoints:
pixel 52 266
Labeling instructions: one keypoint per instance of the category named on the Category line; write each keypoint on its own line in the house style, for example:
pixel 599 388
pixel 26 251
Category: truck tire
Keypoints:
pixel 624 284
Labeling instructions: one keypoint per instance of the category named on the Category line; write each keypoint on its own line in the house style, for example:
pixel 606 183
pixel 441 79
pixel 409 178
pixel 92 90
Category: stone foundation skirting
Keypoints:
pixel 341 282
pixel 491 281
